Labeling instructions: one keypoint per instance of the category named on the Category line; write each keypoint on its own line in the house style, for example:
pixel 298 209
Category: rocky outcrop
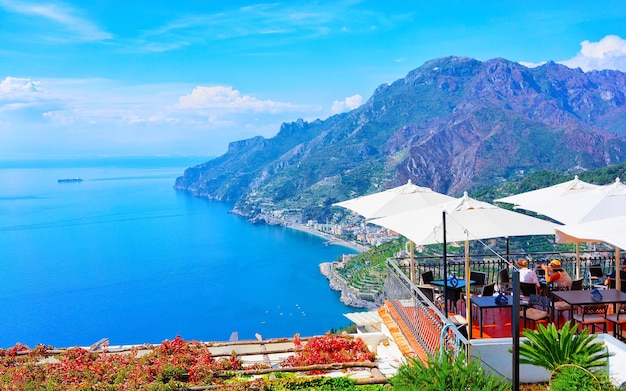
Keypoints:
pixel 349 295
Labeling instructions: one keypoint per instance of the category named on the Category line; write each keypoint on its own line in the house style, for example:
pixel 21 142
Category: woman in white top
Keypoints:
pixel 525 274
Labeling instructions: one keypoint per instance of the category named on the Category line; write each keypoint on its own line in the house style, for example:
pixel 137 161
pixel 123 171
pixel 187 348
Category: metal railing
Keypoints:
pixel 426 323
pixel 429 328
pixel 492 265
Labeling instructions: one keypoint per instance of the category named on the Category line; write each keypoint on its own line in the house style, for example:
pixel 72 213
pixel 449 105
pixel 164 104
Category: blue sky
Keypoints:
pixel 187 77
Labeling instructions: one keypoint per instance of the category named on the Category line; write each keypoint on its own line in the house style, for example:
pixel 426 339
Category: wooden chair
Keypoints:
pixel 505 286
pixel 528 288
pixel 428 291
pixel 538 309
pixel 486 290
pixel 618 319
pixel 577 285
pixel 595 275
pixel 592 315
pixel 453 295
pixel 561 306
pixel 479 278
pixel 427 277
pixel 460 322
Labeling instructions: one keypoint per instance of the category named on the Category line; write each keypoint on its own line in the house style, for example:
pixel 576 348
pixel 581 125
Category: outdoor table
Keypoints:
pixel 454 290
pixel 581 298
pixel 460 285
pixel 486 302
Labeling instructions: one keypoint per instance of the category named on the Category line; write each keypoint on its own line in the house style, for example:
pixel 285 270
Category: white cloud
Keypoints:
pixel 271 24
pixel 350 103
pixel 61 14
pixel 229 99
pixel 18 89
pixel 110 115
pixel 608 53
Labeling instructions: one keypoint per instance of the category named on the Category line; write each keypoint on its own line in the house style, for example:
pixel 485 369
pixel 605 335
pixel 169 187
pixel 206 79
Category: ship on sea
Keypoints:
pixel 70 180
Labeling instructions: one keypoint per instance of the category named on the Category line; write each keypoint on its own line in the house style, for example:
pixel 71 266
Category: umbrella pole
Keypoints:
pixel 468 306
pixel 412 250
pixel 618 269
pixel 508 251
pixel 577 259
pixel 445 268
pixel 515 309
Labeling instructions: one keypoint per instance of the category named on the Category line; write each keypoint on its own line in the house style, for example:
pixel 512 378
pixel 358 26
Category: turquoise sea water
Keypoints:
pixel 124 256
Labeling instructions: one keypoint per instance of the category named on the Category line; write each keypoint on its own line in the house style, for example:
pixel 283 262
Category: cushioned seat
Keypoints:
pixel 592 315
pixel 538 309
pixel 618 319
pixel 561 306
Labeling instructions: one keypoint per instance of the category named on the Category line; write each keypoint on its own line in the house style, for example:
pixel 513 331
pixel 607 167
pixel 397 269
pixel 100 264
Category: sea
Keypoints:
pixel 122 255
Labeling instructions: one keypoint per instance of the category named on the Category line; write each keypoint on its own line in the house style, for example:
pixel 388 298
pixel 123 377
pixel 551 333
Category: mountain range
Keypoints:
pixel 453 124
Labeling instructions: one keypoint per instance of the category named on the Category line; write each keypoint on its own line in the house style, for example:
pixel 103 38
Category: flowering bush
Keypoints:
pixel 329 349
pixel 172 365
pixel 77 368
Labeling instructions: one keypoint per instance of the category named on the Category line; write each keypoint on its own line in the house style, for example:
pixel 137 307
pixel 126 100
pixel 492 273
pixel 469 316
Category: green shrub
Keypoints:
pixel 550 348
pixel 318 383
pixel 446 373
pixel 574 378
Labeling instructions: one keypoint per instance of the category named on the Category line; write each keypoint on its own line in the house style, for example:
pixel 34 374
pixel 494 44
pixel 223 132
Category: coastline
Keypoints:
pixel 330 238
pixel 349 295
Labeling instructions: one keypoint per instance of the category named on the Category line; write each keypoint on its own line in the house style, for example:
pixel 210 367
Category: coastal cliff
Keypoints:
pixel 454 124
pixel 349 295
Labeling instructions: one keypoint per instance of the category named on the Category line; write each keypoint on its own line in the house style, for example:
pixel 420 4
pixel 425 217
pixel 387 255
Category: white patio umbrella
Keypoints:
pixel 396 200
pixel 611 231
pixel 598 203
pixel 565 189
pixel 466 219
pixel 568 202
pixel 469 219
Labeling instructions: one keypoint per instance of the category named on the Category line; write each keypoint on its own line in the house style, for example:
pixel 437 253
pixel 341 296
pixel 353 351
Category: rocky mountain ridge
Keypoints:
pixel 453 124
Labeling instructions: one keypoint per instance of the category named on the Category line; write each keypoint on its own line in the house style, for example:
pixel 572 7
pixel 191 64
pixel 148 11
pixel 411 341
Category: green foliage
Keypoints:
pixel 446 373
pixel 603 176
pixel 574 378
pixel 317 383
pixel 541 178
pixel 549 348
pixel 367 271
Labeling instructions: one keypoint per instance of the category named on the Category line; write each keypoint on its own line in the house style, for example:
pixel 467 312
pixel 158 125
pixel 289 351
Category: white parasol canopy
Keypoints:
pixel 574 202
pixel 611 231
pixel 466 219
pixel 594 204
pixel 396 200
pixel 547 194
pixel 469 219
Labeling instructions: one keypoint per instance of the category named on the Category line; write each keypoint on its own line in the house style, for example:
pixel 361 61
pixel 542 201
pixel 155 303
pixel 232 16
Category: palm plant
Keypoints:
pixel 550 348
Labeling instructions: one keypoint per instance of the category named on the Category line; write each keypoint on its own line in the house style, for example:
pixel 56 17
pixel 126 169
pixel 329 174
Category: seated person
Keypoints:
pixel 525 274
pixel 611 275
pixel 555 273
